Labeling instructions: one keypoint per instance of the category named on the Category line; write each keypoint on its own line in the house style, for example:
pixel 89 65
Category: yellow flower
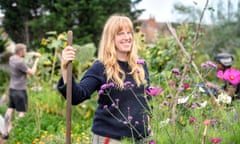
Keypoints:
pixel 60 36
pixel 44 42
pixel 64 44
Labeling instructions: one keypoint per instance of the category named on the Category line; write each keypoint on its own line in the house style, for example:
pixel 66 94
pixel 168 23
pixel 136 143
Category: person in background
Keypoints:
pixel 120 78
pixel 18 98
pixel 224 62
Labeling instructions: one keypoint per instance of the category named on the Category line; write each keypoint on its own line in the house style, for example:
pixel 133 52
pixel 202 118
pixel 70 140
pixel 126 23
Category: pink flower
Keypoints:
pixel 153 91
pixel 175 70
pixel 192 119
pixel 207 122
pixel 220 74
pixel 231 75
pixel 152 142
pixel 215 140
pixel 186 86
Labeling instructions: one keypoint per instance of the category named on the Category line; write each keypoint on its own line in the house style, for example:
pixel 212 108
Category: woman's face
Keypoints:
pixel 123 41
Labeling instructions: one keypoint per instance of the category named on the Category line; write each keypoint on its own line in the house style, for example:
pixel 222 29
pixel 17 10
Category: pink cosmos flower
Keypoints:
pixel 215 140
pixel 153 91
pixel 231 75
pixel 207 122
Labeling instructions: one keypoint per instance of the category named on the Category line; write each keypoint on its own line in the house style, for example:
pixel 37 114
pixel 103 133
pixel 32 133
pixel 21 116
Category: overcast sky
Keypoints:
pixel 162 10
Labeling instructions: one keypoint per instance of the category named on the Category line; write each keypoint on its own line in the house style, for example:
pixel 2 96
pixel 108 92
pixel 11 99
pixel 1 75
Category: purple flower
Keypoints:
pixel 107 85
pixel 130 118
pixel 203 65
pixel 136 122
pixel 100 92
pixel 128 84
pixel 104 86
pixel 113 105
pixel 140 61
pixel 154 91
pixel 211 64
pixel 124 122
pixel 175 70
pixel 105 107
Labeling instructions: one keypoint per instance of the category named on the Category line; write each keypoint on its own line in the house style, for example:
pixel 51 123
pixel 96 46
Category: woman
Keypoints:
pixel 120 79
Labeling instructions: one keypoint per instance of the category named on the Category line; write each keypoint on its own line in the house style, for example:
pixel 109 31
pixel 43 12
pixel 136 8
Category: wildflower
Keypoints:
pixel 181 89
pixel 204 65
pixel 193 106
pixel 113 105
pixel 215 140
pixel 183 100
pixel 231 75
pixel 186 86
pixel 192 119
pixel 153 91
pixel 128 84
pixel 224 98
pixel 43 42
pixel 207 122
pixel 130 118
pixel 104 86
pixel 201 105
pixel 211 64
pixel 152 142
pixel 140 61
pixel 117 100
pixel 136 122
pixel 105 106
pixel 100 92
pixel 175 71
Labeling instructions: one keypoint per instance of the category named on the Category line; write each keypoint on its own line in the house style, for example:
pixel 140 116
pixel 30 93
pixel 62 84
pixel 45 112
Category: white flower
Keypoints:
pixel 183 100
pixel 224 98
pixel 201 105
pixel 163 123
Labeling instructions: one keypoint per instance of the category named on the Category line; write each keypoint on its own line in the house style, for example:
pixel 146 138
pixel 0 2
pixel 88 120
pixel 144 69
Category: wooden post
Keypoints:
pixel 69 93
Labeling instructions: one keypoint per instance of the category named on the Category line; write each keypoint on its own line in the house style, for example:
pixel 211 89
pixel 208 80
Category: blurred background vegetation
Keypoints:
pixel 42 25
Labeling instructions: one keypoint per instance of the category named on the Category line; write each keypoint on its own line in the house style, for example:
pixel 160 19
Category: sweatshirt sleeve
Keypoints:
pixel 90 82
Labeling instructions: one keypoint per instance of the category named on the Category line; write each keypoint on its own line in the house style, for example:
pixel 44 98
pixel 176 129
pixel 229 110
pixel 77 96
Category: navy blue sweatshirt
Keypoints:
pixel 120 113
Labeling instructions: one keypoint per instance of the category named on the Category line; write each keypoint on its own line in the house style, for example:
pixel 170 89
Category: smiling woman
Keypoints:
pixel 120 80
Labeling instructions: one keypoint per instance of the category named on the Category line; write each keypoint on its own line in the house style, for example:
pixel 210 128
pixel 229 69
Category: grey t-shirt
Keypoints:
pixel 18 69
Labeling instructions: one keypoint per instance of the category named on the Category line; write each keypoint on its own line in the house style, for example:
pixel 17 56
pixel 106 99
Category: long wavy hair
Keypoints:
pixel 107 52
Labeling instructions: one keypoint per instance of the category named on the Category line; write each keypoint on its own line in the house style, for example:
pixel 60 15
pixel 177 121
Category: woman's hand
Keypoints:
pixel 68 54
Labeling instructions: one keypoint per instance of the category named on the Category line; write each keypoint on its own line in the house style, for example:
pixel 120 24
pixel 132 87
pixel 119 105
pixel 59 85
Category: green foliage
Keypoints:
pixel 3 41
pixel 27 20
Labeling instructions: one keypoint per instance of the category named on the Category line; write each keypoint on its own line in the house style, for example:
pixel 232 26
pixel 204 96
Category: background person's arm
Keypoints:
pixel 32 71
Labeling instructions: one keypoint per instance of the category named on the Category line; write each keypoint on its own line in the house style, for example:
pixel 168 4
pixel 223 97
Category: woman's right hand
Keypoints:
pixel 68 54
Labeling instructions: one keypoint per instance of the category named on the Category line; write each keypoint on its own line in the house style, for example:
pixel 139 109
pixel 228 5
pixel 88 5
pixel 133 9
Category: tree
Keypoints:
pixel 27 21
